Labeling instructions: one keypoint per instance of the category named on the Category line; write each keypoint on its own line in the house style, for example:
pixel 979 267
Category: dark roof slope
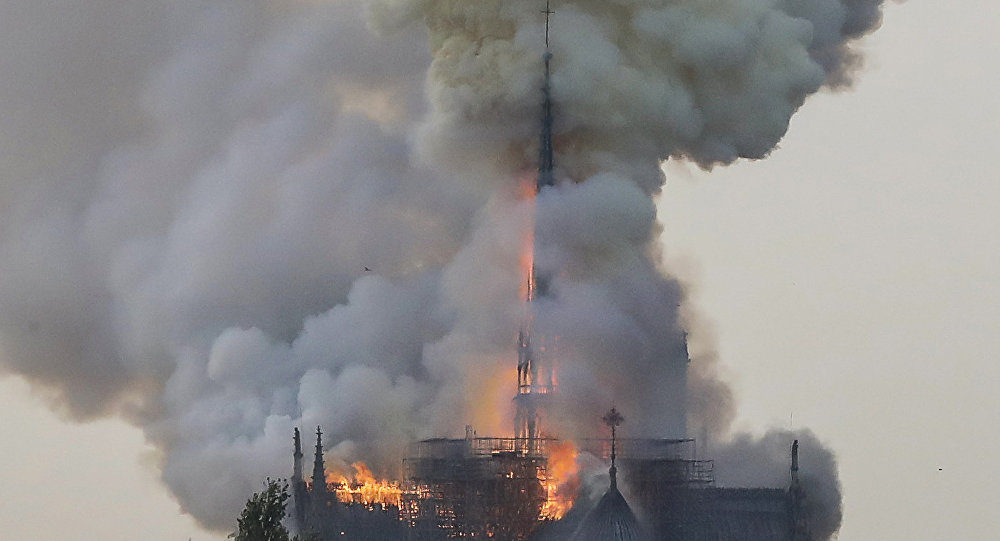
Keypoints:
pixel 610 520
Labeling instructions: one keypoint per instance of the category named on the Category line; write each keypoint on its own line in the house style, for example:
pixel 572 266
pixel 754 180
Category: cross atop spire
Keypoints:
pixel 548 12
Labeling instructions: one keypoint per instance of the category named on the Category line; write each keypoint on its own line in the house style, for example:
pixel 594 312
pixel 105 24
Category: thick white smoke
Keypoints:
pixel 191 194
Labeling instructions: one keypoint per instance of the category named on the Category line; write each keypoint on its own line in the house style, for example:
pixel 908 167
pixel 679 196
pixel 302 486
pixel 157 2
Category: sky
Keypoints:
pixel 853 278
pixel 851 283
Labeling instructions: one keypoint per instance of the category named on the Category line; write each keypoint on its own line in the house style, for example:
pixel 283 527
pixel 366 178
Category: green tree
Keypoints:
pixel 262 516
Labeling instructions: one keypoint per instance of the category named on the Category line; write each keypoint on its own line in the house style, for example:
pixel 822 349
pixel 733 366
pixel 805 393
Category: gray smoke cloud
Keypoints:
pixel 191 193
pixel 768 456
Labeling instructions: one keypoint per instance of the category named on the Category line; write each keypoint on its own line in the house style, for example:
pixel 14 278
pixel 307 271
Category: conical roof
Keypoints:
pixel 610 520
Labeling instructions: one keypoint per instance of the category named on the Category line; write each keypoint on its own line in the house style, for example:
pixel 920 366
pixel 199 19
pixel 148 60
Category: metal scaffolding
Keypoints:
pixel 474 487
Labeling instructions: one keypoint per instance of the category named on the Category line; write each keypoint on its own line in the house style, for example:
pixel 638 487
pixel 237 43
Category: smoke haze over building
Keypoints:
pixel 191 196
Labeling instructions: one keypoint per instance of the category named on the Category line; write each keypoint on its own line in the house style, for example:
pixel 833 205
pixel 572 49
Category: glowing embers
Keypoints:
pixel 562 479
pixel 363 488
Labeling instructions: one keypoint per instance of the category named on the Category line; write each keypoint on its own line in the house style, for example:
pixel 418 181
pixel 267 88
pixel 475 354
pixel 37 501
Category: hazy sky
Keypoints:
pixel 852 281
pixel 854 277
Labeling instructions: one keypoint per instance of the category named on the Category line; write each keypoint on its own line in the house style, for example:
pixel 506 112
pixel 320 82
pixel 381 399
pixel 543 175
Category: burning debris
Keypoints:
pixel 363 488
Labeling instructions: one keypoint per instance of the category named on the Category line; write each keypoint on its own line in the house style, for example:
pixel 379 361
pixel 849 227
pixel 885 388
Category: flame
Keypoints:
pixel 526 188
pixel 488 398
pixel 562 480
pixel 363 488
pixel 526 258
pixel 527 185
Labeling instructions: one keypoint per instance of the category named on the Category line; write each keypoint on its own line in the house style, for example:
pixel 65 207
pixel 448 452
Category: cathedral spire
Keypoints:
pixel 534 382
pixel 319 470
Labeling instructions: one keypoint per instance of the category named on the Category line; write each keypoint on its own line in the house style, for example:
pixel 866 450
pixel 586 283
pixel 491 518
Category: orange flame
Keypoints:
pixel 363 488
pixel 526 192
pixel 562 480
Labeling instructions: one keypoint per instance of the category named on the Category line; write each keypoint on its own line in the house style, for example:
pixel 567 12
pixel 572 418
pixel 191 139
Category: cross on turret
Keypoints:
pixel 613 419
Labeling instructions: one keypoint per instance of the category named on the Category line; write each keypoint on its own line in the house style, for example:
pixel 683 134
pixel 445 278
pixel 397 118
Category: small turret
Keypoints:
pixel 795 460
pixel 319 470
pixel 799 524
pixel 297 468
pixel 612 518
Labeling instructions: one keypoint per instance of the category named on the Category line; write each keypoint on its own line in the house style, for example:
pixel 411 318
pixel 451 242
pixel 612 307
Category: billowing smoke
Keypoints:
pixel 222 220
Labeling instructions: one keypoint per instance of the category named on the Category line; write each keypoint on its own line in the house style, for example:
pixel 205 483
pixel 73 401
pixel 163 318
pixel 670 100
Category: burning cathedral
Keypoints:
pixel 526 486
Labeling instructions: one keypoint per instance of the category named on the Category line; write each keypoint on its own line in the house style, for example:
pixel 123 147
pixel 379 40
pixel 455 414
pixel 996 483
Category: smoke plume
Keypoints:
pixel 223 220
